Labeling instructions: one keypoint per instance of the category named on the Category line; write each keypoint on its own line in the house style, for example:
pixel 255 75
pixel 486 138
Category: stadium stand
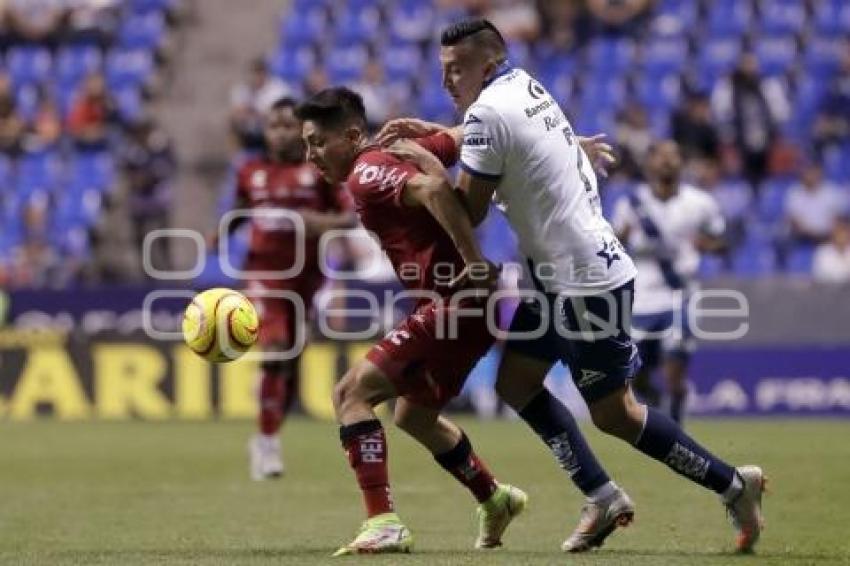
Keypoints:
pixel 651 66
pixel 67 96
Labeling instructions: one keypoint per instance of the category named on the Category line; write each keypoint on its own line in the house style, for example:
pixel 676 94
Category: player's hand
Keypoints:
pixel 406 128
pixel 600 153
pixel 482 275
pixel 408 150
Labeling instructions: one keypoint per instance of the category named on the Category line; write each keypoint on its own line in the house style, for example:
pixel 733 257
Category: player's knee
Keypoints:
pixel 344 391
pixel 514 390
pixel 611 414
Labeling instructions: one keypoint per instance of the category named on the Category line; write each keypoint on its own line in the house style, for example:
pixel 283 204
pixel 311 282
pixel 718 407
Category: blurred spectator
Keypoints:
pixel 149 166
pixel 46 127
pixel 35 21
pixel 750 109
pixel 693 128
pixel 832 259
pixel 515 20
pixel 812 207
pixel 92 113
pixel 379 99
pixel 558 23
pixel 250 100
pixel 12 126
pixel 316 81
pixel 633 137
pixel 832 125
pixel 93 21
pixel 734 197
pixel 34 262
pixel 619 16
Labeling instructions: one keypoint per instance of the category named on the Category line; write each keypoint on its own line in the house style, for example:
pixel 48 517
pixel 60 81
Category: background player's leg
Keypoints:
pixel 449 445
pixel 520 384
pixel 674 371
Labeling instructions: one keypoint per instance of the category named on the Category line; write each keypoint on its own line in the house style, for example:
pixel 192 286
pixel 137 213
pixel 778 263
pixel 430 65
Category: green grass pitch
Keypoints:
pixel 178 493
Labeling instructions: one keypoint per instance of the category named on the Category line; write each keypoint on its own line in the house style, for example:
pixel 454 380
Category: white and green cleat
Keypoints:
pixel 380 534
pixel 495 514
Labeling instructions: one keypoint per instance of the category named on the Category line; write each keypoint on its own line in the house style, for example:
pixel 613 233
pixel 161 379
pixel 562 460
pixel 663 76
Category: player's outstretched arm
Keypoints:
pixel 410 128
pixel 436 194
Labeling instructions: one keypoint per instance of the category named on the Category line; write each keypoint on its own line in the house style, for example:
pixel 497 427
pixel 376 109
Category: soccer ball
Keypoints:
pixel 220 325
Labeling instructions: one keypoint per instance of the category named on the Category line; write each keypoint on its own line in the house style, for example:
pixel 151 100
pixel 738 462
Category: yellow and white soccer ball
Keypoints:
pixel 220 325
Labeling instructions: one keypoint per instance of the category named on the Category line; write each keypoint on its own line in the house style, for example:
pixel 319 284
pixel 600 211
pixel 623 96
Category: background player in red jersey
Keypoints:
pixel 268 187
pixel 426 233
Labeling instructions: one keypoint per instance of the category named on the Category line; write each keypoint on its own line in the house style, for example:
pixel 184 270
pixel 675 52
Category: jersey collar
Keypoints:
pixel 501 71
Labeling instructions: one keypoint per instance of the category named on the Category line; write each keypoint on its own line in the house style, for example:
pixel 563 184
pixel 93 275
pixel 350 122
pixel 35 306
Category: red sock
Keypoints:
pixel 468 469
pixel 366 448
pixel 273 388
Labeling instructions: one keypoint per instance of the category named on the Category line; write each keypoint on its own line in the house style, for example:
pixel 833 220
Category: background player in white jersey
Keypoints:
pixel 666 224
pixel 519 149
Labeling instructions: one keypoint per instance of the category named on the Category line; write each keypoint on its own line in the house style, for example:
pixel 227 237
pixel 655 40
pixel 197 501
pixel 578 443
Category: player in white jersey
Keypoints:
pixel 518 149
pixel 666 224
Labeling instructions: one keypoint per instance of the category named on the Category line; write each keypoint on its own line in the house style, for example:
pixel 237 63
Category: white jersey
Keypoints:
pixel 679 220
pixel 517 134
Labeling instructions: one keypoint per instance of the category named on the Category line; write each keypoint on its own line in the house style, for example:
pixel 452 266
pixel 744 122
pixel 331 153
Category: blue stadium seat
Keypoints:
pixel 293 63
pixel 602 93
pixel 831 18
pixel 823 55
pixel 674 17
pixel 754 261
pixel 771 201
pixel 355 26
pixel 729 18
pixel 38 171
pixel 307 27
pixel 128 100
pixel 776 54
pixel 717 56
pixel 345 63
pixel 435 105
pixel 780 17
pixel 143 31
pixel 29 64
pixel 411 20
pixel 92 169
pixel 80 207
pixel 665 55
pixel 658 91
pixel 146 6
pixel 26 100
pixel 401 60
pixel 128 67
pixel 800 260
pixel 611 55
pixel 710 266
pixel 73 63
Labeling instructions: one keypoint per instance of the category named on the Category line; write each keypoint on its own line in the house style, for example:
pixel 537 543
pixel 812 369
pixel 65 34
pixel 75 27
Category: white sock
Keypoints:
pixel 602 492
pixel 734 490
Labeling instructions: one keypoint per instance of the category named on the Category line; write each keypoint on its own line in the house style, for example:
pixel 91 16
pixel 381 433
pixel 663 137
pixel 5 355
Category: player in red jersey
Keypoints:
pixel 271 189
pixel 425 231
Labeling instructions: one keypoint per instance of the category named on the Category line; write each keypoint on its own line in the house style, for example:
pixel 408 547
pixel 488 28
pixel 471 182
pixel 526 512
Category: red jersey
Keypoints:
pixel 264 184
pixel 413 239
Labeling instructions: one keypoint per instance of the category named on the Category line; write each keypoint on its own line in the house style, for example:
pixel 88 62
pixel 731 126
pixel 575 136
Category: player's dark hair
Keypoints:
pixel 480 30
pixel 285 102
pixel 333 108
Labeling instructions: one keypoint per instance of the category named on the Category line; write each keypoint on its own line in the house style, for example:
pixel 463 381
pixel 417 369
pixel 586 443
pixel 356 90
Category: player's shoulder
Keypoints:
pixel 377 168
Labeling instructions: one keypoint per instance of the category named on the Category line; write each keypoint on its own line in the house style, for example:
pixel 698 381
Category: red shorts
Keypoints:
pixel 278 315
pixel 427 369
